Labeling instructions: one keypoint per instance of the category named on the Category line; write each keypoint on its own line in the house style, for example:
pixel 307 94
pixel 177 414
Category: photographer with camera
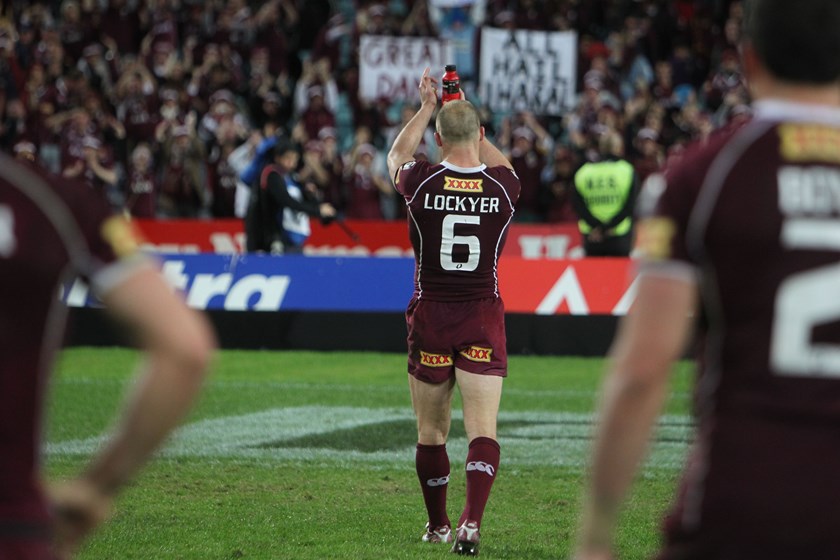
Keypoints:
pixel 277 221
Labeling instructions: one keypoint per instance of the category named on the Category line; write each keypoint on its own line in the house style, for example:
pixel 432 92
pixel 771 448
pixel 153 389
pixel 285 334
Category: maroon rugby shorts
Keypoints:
pixel 468 335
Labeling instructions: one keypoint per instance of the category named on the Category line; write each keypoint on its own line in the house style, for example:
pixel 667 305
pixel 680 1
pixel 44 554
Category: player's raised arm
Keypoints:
pixel 410 136
pixel 490 155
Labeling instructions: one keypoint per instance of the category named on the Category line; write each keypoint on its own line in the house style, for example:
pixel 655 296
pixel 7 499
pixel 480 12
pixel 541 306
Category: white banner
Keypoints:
pixel 451 3
pixel 528 70
pixel 391 67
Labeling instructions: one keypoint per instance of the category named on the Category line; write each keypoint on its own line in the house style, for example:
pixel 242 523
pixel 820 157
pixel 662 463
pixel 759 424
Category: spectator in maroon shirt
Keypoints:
pixel 121 22
pixel 71 127
pixel 164 25
pixel 318 75
pixel 95 168
pixel 529 144
pixel 332 162
pixel 74 29
pixel 68 91
pixel 663 85
pixel 160 57
pixel 34 90
pixel 334 42
pixel 223 119
pixel 99 72
pixel 222 178
pixel 367 188
pixel 317 115
pixel 726 81
pixel 137 103
pixel 233 26
pixel 141 185
pixel 183 190
pixel 649 154
pixel 26 46
pixel 555 197
pixel 50 53
pixel 273 21
pixel 270 106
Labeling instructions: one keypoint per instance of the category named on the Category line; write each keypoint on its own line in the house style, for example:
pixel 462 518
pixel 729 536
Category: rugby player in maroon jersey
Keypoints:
pixel 458 216
pixel 50 228
pixel 742 242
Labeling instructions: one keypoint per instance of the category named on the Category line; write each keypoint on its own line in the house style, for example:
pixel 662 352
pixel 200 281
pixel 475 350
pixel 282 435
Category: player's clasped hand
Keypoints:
pixel 78 508
pixel 428 89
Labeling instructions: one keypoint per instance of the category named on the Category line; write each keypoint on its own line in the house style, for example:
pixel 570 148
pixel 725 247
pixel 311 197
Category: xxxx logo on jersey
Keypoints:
pixel 807 142
pixel 435 360
pixel 477 354
pixel 463 185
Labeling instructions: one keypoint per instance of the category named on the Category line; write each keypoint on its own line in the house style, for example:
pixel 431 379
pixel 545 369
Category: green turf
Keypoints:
pixel 297 455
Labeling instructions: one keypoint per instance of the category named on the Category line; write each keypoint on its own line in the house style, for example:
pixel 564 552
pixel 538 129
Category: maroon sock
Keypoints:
pixel 482 464
pixel 432 464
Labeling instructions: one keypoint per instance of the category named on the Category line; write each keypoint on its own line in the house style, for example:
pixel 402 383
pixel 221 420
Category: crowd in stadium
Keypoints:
pixel 160 103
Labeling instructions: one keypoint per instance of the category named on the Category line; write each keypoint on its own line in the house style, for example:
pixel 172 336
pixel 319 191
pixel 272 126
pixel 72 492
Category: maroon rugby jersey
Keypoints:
pixel 458 220
pixel 755 217
pixel 47 232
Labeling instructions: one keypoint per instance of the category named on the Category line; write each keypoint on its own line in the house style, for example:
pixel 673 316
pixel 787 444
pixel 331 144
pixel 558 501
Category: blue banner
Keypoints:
pixel 286 283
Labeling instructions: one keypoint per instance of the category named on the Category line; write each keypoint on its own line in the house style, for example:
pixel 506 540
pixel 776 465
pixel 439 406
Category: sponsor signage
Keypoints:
pixel 375 238
pixel 603 286
pixel 264 283
pixel 299 283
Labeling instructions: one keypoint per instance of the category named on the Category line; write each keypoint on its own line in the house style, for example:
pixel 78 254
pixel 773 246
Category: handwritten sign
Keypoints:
pixel 390 67
pixel 528 70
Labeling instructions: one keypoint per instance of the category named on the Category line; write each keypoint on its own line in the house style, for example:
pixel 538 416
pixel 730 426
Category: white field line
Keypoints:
pixel 340 388
pixel 546 438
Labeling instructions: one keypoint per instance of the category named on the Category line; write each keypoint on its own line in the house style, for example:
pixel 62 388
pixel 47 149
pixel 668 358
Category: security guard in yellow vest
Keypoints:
pixel 604 197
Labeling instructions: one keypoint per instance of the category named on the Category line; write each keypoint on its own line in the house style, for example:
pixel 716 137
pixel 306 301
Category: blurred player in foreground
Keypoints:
pixel 458 214
pixel 744 232
pixel 48 231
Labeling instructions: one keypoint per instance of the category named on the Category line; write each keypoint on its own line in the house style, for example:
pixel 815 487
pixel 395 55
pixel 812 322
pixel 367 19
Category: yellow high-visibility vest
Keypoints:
pixel 604 187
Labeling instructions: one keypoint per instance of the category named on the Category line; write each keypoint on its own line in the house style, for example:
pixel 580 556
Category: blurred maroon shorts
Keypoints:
pixel 469 335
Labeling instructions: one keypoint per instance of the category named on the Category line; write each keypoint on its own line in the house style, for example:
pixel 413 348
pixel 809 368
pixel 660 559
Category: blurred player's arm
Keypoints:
pixel 651 337
pixel 178 344
pixel 407 141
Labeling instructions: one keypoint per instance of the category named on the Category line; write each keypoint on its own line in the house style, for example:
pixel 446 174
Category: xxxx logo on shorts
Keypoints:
pixel 477 354
pixel 435 360
pixel 464 185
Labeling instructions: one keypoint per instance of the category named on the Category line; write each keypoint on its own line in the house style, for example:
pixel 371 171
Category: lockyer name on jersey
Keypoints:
pixel 457 203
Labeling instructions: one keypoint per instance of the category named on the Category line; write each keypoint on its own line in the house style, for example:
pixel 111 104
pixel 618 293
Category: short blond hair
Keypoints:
pixel 458 122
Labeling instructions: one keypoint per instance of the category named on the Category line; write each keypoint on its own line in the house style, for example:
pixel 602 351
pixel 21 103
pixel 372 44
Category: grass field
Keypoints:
pixel 298 455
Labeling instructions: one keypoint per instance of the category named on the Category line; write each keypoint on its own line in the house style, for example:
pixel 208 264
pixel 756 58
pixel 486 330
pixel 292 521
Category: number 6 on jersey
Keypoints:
pixel 449 240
